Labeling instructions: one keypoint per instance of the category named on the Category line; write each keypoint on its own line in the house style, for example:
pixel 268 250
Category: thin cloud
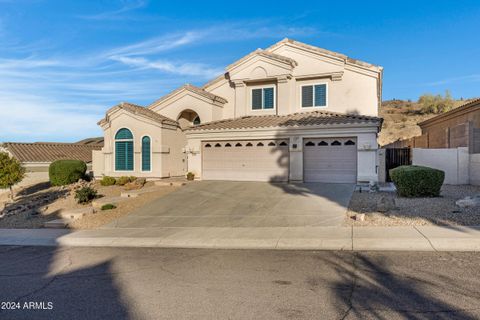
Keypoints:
pixel 193 69
pixel 117 14
pixel 462 79
pixel 157 45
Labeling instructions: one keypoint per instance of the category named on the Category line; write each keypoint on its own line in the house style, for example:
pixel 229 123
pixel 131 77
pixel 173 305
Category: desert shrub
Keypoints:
pixel 11 172
pixel 107 181
pixel 108 206
pixel 190 176
pixel 436 103
pixel 124 180
pixel 85 195
pixel 417 181
pixel 63 172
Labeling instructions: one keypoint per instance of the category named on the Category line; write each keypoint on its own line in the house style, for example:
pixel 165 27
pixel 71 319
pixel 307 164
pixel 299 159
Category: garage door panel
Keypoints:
pixel 330 160
pixel 254 160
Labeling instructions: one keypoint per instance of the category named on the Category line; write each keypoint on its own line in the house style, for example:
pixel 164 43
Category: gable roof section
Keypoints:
pixel 193 89
pixel 312 118
pixel 270 55
pixel 322 51
pixel 139 110
pixel 50 151
pixel 465 108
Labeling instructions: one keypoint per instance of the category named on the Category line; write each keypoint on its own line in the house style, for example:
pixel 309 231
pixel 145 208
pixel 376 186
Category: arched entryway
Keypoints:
pixel 188 118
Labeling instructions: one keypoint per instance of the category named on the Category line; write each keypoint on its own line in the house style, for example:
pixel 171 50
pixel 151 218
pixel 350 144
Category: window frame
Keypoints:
pixel 151 153
pixel 267 86
pixel 115 150
pixel 313 86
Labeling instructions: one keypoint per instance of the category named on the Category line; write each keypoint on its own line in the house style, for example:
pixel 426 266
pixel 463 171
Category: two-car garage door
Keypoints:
pixel 246 160
pixel 330 160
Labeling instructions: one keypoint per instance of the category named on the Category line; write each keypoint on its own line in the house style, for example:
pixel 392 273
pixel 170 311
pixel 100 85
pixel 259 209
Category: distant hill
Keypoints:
pixel 401 118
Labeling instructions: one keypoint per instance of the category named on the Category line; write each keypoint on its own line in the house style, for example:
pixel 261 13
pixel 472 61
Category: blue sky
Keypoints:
pixel 64 63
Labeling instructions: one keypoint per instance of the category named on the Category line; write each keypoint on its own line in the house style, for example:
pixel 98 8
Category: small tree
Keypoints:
pixel 436 104
pixel 11 172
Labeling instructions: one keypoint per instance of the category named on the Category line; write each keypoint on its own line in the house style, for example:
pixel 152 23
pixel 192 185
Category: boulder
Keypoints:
pixel 469 202
pixel 385 204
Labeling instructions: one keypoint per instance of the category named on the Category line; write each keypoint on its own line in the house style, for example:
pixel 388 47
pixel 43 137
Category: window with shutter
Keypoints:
pixel 268 98
pixel 320 95
pixel 257 99
pixel 314 95
pixel 124 150
pixel 146 154
pixel 307 96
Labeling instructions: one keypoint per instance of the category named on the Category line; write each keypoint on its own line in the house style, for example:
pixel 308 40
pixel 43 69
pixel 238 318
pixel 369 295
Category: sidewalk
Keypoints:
pixel 422 238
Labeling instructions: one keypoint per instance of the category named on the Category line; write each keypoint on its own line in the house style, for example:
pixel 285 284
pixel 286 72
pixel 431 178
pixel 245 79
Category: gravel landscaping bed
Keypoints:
pixel 55 199
pixel 416 211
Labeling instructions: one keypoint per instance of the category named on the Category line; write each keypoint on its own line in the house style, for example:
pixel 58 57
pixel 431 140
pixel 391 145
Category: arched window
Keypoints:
pixel 124 150
pixel 283 144
pixel 271 144
pixel 196 121
pixel 218 145
pixel 208 145
pixel 309 144
pixel 259 144
pixel 323 143
pixel 146 154
pixel 228 145
pixel 238 144
pixel 336 143
pixel 249 145
pixel 349 143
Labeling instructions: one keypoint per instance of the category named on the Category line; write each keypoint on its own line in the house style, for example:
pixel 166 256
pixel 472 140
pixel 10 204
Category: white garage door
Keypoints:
pixel 246 160
pixel 330 160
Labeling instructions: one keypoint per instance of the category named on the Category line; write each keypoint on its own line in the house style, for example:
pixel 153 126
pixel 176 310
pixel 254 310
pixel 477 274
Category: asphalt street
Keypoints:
pixel 143 283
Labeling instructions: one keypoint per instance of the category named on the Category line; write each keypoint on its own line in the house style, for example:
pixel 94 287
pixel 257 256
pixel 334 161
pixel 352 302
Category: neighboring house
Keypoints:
pixel 292 112
pixel 36 157
pixel 449 142
pixel 459 127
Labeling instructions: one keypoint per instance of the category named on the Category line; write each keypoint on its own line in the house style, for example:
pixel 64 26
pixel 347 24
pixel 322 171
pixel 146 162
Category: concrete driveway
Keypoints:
pixel 226 204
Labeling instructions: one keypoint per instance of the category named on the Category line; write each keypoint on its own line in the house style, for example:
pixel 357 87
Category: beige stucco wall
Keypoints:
pixel 366 142
pixel 454 162
pixel 167 143
pixel 186 100
pixel 350 88
pixel 474 169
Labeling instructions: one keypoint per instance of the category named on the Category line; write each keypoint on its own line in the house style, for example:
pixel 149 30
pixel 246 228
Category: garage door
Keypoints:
pixel 246 160
pixel 330 160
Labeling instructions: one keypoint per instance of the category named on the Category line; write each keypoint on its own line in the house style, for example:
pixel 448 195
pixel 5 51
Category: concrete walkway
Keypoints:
pixel 425 238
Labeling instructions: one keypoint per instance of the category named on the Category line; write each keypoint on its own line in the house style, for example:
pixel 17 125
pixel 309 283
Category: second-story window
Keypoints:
pixel 314 95
pixel 263 98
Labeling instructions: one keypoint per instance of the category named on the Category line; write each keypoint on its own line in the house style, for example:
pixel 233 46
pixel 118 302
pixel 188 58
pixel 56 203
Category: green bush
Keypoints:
pixel 11 172
pixel 107 181
pixel 63 172
pixel 417 181
pixel 124 180
pixel 436 104
pixel 108 206
pixel 85 195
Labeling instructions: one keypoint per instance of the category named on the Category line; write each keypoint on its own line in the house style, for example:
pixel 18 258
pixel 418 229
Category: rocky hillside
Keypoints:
pixel 401 118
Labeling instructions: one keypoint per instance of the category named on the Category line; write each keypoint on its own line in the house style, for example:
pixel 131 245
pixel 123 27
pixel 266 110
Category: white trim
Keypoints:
pixel 313 84
pixel 141 153
pixel 265 86
pixel 115 149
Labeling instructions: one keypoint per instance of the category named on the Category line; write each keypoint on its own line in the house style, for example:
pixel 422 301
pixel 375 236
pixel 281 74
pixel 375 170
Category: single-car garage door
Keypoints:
pixel 245 160
pixel 330 160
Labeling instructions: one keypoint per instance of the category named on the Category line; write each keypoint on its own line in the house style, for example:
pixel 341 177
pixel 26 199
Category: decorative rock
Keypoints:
pixel 469 202
pixel 385 204
pixel 360 216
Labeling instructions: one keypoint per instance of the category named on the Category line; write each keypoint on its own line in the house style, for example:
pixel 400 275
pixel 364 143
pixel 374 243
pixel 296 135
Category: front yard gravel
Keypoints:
pixel 416 211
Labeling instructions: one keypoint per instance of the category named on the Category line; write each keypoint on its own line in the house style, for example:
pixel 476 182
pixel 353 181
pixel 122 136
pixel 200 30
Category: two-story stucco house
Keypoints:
pixel 292 112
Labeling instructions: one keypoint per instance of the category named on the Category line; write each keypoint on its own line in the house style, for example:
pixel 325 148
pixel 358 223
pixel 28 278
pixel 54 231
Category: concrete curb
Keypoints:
pixel 426 238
